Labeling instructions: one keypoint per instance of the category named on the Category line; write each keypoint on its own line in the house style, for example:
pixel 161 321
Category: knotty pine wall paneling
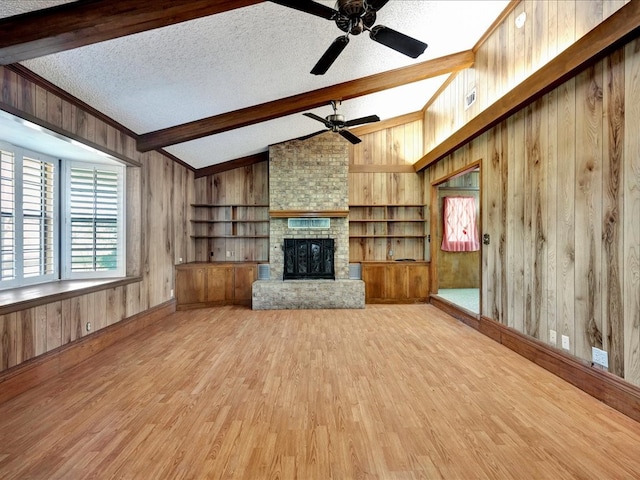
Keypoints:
pixel 561 203
pixel 155 232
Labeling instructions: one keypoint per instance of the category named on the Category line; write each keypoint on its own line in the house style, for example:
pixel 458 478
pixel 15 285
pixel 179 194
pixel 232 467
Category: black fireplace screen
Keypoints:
pixel 306 258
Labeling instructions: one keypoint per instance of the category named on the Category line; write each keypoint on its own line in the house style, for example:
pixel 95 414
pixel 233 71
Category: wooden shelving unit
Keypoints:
pixel 238 232
pixel 386 232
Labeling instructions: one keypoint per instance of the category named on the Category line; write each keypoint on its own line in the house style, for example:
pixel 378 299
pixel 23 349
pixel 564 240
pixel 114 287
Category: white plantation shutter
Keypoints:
pixel 95 223
pixel 38 218
pixel 28 206
pixel 7 218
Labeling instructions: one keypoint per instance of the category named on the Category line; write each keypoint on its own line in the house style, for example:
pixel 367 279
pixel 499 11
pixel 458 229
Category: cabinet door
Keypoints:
pixel 418 282
pixel 219 284
pixel 374 281
pixel 396 282
pixel 190 285
pixel 244 277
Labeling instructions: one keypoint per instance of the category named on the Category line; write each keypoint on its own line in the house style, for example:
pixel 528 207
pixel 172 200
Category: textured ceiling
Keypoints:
pixel 244 57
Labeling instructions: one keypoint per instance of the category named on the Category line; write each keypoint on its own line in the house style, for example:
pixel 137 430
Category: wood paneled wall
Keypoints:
pixel 157 241
pixel 510 55
pixel 561 198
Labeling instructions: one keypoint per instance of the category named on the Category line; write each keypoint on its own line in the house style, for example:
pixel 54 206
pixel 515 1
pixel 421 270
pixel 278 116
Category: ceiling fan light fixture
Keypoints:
pixel 353 17
pixel 336 123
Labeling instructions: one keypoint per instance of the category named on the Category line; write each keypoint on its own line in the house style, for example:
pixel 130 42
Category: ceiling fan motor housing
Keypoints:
pixel 354 16
pixel 336 120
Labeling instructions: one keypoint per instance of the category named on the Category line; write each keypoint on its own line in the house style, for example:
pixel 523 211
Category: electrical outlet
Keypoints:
pixel 553 339
pixel 600 357
pixel 391 253
pixel 228 253
pixel 180 260
pixel 171 293
pixel 565 342
pixel 88 326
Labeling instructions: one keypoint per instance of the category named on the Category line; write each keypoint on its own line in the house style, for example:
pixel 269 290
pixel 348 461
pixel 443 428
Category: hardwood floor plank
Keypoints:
pixel 401 391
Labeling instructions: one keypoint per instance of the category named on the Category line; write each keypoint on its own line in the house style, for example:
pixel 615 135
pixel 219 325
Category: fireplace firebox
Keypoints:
pixel 308 258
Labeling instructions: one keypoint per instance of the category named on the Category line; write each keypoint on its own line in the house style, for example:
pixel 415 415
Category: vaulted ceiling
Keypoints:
pixel 215 81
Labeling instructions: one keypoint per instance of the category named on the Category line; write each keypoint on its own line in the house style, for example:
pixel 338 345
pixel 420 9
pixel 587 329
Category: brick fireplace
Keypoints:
pixel 309 180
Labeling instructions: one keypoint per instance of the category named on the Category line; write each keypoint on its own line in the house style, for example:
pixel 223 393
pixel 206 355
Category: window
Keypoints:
pixel 94 231
pixel 35 192
pixel 460 225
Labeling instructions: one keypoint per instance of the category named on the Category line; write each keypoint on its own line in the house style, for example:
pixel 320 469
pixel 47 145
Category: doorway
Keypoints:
pixel 458 259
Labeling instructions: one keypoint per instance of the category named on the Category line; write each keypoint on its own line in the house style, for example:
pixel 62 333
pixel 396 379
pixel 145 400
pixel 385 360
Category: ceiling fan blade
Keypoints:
pixel 376 5
pixel 398 41
pixel 360 121
pixel 349 136
pixel 308 6
pixel 330 55
pixel 311 135
pixel 318 118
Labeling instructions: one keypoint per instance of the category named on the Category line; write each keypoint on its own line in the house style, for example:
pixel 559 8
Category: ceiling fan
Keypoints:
pixel 337 124
pixel 354 17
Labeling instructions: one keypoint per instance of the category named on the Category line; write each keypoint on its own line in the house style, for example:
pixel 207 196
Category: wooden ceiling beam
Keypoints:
pixel 615 31
pixel 304 101
pixel 84 22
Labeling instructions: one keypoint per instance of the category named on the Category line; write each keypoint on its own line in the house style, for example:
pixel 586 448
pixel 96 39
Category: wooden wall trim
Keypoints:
pixel 388 123
pixel 232 164
pixel 36 79
pixel 308 213
pixel 32 373
pixel 602 385
pixel 496 23
pixel 400 168
pixel 615 31
pixel 64 133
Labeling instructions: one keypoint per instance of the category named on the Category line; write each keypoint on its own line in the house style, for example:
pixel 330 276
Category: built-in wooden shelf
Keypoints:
pixel 239 230
pixel 386 220
pixel 385 232
pixel 229 221
pixel 235 237
pixel 385 236
pixel 308 213
pixel 215 205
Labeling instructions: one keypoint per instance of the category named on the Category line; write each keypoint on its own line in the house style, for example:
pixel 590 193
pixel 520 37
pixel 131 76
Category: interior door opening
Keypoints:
pixel 456 250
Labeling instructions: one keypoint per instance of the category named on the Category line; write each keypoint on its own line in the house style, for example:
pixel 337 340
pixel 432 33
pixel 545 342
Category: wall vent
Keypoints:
pixel 470 98
pixel 264 271
pixel 355 271
pixel 322 223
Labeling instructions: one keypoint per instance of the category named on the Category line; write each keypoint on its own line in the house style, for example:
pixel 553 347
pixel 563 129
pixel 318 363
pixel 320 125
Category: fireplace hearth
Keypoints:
pixel 308 259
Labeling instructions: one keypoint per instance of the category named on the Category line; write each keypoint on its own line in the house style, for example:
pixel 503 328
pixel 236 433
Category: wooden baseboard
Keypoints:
pixel 31 373
pixel 606 387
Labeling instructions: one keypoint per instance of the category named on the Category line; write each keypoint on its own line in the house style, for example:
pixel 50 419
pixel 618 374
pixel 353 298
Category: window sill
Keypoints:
pixel 21 298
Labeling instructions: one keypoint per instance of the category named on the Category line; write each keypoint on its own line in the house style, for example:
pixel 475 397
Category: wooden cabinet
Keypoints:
pixel 396 282
pixel 209 284
pixel 386 232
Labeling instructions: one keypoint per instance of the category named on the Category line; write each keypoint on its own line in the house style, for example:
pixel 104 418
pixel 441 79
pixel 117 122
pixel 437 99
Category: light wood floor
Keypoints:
pixel 387 392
